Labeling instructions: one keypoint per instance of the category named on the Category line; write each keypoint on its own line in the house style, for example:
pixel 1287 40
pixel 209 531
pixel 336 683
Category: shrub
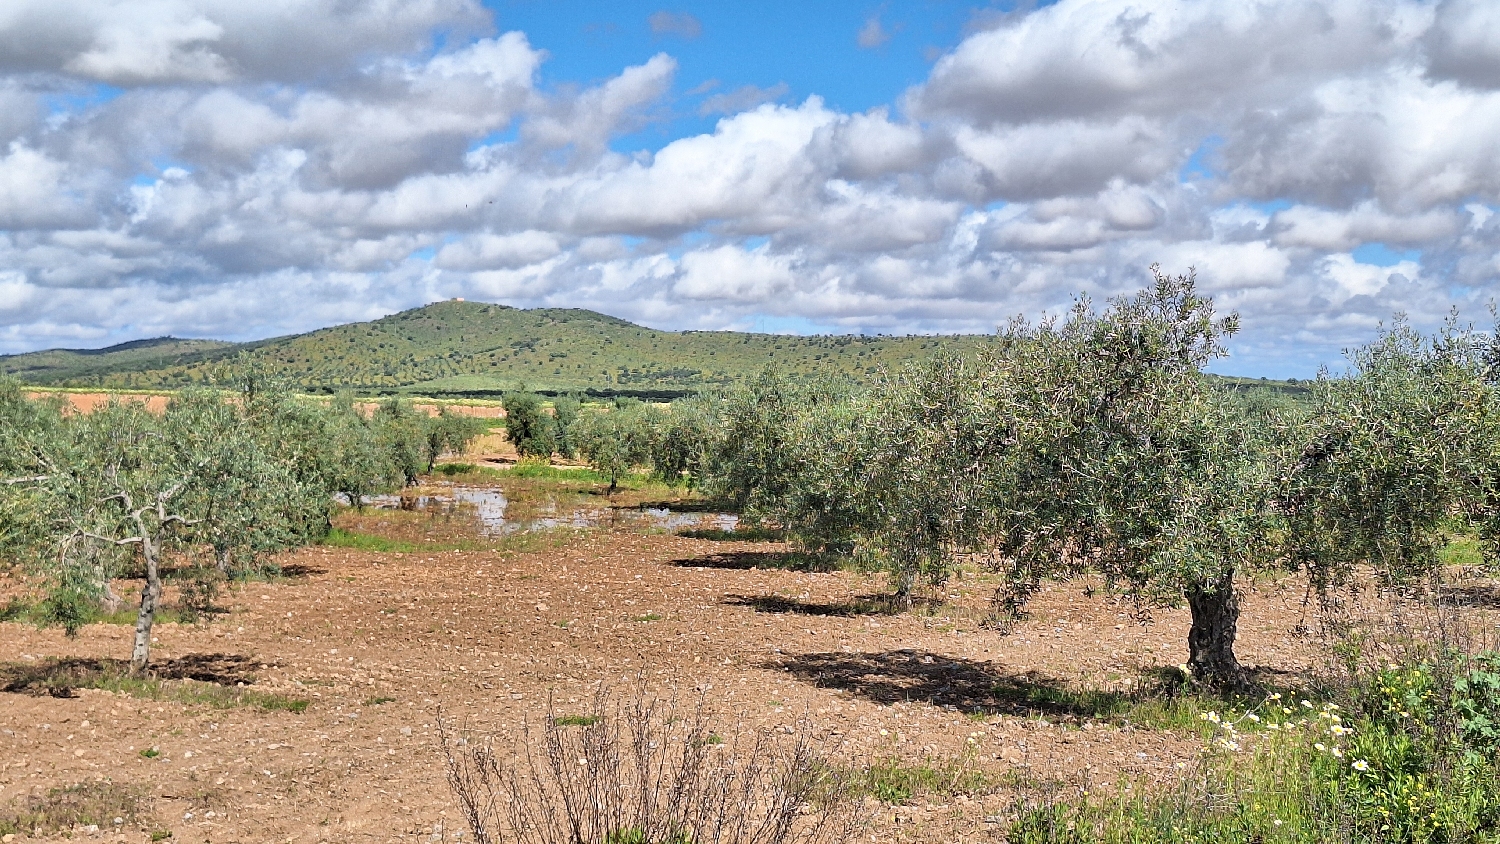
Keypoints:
pixel 647 772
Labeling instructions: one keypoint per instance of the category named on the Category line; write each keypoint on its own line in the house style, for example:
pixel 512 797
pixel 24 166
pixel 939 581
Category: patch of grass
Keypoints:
pixel 62 809
pixel 1462 552
pixel 752 533
pixel 340 538
pixel 651 616
pixel 62 678
pixel 378 700
pixel 894 781
pixel 32 612
pixel 150 753
pixel 575 720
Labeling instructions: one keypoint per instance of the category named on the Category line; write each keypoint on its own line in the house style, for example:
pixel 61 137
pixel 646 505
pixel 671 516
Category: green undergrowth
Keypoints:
pixel 64 678
pixel 750 533
pixel 1161 703
pixel 895 781
pixel 43 614
pixel 1408 754
pixel 85 804
pixel 518 542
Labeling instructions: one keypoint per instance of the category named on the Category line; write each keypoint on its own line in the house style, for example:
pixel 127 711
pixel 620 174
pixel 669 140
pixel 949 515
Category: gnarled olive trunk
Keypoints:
pixel 1216 612
pixel 150 597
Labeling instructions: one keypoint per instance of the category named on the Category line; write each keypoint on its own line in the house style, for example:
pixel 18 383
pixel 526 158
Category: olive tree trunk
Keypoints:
pixel 1216 612
pixel 150 597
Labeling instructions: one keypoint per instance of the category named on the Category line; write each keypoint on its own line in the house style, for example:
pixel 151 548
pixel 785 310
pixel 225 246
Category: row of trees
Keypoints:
pixel 1094 443
pixel 219 480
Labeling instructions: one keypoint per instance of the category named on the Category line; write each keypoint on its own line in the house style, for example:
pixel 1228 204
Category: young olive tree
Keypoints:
pixel 358 458
pixel 529 426
pixel 752 465
pixel 1397 453
pixel 612 441
pixel 680 439
pixel 122 479
pixel 403 433
pixel 564 411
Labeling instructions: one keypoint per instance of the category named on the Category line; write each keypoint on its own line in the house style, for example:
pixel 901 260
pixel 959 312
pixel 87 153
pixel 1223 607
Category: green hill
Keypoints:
pixel 458 348
pixel 64 366
pixel 471 348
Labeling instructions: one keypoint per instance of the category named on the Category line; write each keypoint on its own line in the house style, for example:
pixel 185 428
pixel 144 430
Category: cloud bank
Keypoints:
pixel 242 170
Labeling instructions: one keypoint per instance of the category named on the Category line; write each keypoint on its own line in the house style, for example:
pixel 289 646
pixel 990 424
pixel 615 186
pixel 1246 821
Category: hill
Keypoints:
pixel 471 348
pixel 456 348
pixel 64 366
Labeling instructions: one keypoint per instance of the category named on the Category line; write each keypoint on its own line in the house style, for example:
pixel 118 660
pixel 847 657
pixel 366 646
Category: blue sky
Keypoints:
pixel 214 168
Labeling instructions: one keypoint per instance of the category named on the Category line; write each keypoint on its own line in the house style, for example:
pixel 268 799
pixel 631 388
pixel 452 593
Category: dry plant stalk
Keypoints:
pixel 642 772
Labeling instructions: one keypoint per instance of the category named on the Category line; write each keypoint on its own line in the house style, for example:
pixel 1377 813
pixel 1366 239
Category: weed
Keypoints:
pixel 62 809
pixel 1408 756
pixel 62 678
pixel 648 773
pixel 894 781
pixel 651 616
pixel 378 700
pixel 742 533
pixel 340 538
pixel 150 753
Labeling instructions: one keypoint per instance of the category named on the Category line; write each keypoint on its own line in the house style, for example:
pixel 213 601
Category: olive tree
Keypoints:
pixel 613 441
pixel 528 425
pixel 124 482
pixel 358 458
pixel 1111 453
pixel 1398 452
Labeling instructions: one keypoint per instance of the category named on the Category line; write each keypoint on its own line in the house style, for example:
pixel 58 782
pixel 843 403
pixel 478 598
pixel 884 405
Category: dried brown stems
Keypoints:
pixel 645 771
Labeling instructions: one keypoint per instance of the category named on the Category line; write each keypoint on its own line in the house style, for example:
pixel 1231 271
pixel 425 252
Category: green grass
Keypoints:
pixel 895 781
pixel 1462 552
pixel 33 612
pixel 61 810
pixel 1408 754
pixel 61 678
pixel 378 700
pixel 742 533
pixel 340 538
pixel 576 720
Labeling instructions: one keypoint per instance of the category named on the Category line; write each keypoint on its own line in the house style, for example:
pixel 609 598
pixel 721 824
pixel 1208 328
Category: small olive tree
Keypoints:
pixel 123 481
pixel 1398 453
pixel 528 425
pixel 612 441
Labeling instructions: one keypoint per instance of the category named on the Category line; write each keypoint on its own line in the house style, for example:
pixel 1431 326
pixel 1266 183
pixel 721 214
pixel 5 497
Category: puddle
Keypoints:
pixel 489 505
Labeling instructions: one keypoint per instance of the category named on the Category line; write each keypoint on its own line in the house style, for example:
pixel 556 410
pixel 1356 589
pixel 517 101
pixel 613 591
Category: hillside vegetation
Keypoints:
pixel 460 348
pixel 65 366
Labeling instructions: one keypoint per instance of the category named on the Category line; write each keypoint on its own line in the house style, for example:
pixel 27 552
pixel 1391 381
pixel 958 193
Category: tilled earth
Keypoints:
pixel 380 643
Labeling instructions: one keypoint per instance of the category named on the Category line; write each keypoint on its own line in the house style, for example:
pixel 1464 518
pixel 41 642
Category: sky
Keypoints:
pixel 216 168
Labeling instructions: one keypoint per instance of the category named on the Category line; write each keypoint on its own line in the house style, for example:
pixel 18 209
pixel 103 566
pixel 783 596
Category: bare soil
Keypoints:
pixel 381 643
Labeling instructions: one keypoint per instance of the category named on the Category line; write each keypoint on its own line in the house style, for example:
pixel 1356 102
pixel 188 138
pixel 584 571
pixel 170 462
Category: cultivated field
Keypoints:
pixel 963 720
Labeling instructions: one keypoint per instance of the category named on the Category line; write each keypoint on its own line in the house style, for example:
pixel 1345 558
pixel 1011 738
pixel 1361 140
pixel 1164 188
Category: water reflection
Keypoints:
pixel 488 506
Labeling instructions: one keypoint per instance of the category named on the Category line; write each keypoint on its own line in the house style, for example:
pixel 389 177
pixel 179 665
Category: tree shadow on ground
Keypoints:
pixel 910 675
pixel 913 675
pixel 687 505
pixel 746 560
pixel 1476 597
pixel 856 606
pixel 300 570
pixel 60 677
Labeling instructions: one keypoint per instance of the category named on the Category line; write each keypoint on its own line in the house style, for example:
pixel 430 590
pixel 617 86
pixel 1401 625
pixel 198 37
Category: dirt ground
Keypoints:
pixel 87 402
pixel 381 642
